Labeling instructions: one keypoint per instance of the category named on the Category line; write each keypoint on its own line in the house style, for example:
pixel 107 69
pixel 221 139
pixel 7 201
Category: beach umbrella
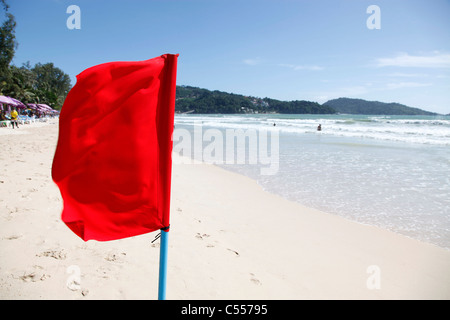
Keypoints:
pixel 44 107
pixel 7 100
pixel 35 107
pixel 111 195
pixel 18 103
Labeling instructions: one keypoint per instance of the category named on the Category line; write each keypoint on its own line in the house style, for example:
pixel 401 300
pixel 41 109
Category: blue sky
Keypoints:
pixel 283 49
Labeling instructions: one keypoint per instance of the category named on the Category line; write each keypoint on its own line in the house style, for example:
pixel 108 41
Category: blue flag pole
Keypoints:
pixel 164 246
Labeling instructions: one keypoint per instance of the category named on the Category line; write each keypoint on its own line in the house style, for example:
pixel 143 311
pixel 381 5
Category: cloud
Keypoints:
pixel 252 62
pixel 364 89
pixel 301 67
pixel 407 75
pixel 438 60
pixel 399 85
pixel 259 61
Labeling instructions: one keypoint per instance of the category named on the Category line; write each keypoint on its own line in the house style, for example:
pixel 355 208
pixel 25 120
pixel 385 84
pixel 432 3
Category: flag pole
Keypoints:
pixel 164 246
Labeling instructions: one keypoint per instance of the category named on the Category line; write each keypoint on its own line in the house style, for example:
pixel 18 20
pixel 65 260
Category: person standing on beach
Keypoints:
pixel 14 118
pixel 3 118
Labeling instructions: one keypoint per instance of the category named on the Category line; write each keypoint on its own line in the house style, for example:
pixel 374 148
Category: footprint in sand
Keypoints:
pixel 33 276
pixel 115 257
pixel 201 236
pixel 235 252
pixel 13 237
pixel 254 280
pixel 13 210
pixel 55 254
pixel 103 272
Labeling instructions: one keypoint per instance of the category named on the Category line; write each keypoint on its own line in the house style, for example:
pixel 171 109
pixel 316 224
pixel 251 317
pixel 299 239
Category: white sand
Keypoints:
pixel 229 240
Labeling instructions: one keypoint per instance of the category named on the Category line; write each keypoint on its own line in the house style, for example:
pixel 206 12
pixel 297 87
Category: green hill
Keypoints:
pixel 197 100
pixel 359 106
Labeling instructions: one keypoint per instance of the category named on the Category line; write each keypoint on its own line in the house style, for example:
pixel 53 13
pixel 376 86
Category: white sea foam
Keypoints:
pixel 413 130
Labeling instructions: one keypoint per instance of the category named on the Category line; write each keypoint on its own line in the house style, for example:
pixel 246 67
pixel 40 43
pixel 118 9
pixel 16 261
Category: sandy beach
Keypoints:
pixel 229 239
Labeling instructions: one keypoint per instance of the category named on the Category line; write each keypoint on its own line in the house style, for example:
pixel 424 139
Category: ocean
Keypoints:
pixel 392 172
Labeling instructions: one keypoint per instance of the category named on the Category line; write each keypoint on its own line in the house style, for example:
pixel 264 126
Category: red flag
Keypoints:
pixel 113 158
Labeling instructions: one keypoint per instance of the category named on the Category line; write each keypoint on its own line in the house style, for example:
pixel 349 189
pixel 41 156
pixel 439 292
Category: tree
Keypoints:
pixel 8 45
pixel 22 83
pixel 196 100
pixel 52 84
pixel 44 83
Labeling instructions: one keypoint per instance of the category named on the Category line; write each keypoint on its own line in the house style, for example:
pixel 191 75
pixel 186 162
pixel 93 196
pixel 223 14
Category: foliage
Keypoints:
pixel 51 83
pixel 359 106
pixel 197 100
pixel 8 44
pixel 43 83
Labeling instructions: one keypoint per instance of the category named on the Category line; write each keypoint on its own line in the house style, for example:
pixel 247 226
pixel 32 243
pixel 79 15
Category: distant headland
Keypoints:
pixel 197 100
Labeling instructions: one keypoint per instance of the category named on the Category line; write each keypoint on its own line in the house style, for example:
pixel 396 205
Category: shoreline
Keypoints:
pixel 262 187
pixel 229 239
pixel 339 277
pixel 387 183
pixel 365 224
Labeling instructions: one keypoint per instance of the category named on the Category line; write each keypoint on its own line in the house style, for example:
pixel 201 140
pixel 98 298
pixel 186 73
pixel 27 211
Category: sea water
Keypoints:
pixel 392 172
